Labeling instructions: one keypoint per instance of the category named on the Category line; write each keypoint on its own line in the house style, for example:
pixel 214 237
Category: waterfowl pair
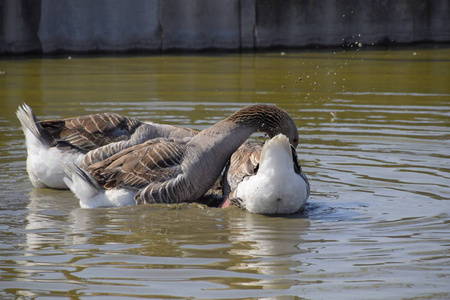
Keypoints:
pixel 174 171
pixel 163 170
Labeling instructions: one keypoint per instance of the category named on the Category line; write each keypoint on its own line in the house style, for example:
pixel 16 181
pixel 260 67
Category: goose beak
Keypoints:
pixel 225 203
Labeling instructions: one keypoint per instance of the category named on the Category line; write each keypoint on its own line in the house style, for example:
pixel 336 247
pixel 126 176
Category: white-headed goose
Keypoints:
pixel 266 179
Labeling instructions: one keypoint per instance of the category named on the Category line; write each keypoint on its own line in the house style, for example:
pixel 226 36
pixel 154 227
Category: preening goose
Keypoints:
pixel 68 140
pixel 173 171
pixel 266 179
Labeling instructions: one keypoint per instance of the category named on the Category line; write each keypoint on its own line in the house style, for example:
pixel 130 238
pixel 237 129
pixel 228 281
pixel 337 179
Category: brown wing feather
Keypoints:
pixel 145 132
pixel 157 160
pixel 90 132
pixel 243 163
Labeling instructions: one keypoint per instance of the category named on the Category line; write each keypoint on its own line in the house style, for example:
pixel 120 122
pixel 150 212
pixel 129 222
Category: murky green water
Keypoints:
pixel 375 130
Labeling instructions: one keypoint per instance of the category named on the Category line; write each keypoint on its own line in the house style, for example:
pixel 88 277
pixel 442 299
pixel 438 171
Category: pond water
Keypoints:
pixel 375 131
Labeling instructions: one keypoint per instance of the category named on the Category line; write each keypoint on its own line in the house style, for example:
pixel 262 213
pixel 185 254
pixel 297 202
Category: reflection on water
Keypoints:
pixel 135 246
pixel 374 142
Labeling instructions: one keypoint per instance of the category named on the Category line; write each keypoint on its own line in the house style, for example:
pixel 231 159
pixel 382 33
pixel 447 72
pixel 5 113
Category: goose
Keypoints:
pixel 266 179
pixel 68 140
pixel 165 170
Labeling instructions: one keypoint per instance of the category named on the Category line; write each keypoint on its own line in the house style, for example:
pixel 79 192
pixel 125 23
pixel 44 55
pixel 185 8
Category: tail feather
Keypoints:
pixel 80 182
pixel 29 120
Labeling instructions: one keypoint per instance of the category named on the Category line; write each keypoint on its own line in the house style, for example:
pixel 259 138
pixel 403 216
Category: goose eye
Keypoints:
pixel 295 141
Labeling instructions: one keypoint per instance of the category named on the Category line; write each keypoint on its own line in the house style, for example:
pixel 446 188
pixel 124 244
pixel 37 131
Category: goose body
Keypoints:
pixel 266 179
pixel 175 170
pixel 69 140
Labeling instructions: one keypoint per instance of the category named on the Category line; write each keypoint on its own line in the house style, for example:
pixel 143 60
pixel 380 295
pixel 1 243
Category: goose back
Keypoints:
pixel 85 133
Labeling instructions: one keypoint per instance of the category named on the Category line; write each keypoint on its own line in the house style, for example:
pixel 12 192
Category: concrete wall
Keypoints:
pixel 49 26
pixel 333 22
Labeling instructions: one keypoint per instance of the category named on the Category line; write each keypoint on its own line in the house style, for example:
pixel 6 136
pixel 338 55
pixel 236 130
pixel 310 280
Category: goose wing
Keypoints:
pixel 244 162
pixel 90 132
pixel 168 131
pixel 153 168
pixel 143 133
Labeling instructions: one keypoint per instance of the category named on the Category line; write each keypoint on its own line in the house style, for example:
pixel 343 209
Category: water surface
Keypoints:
pixel 374 143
